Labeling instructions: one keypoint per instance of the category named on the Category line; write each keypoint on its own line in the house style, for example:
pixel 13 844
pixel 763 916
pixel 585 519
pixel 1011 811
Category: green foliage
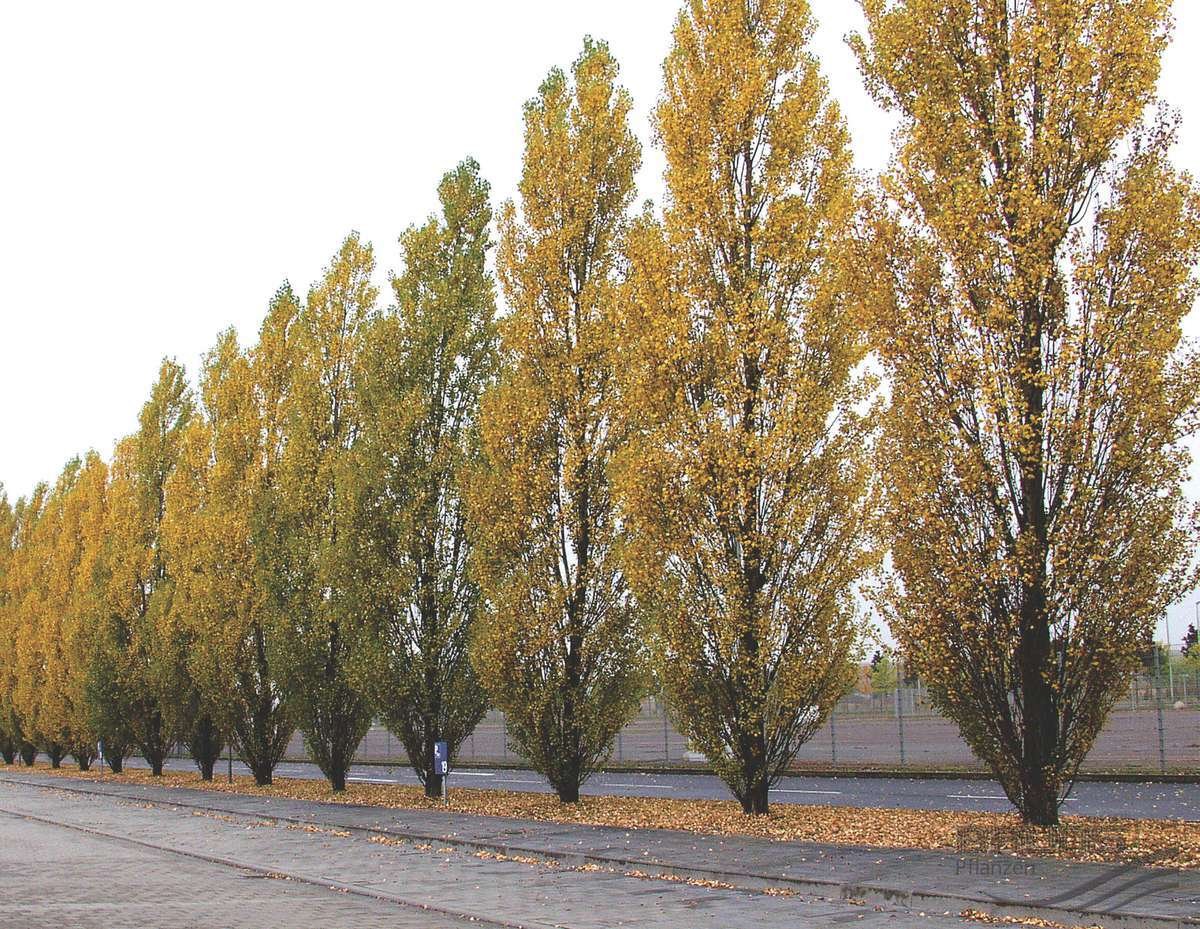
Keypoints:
pixel 152 689
pixel 307 549
pixel 1191 641
pixel 419 382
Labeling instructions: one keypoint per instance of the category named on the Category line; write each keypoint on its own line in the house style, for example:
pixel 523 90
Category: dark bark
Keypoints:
pixel 205 745
pixel 115 753
pixel 571 774
pixel 755 801
pixel 84 755
pixel 755 776
pixel 55 753
pixel 1039 702
pixel 568 790
pixel 153 744
pixel 262 733
pixel 28 753
pixel 337 719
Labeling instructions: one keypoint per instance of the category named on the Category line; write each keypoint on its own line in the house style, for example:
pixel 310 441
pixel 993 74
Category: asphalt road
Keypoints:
pixel 1089 798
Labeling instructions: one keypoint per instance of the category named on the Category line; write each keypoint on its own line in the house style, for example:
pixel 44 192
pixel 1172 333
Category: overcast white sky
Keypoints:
pixel 163 167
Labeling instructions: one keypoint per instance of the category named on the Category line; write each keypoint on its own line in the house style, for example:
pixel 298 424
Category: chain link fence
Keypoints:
pixel 1153 729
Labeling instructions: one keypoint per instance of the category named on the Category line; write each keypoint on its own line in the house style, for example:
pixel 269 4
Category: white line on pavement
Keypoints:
pixel 643 786
pixel 794 790
pixel 374 780
pixel 990 797
pixel 472 774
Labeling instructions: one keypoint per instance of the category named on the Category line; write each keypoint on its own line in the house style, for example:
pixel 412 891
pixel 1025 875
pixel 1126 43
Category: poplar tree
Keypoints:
pixel 559 648
pixel 1036 264
pixel 229 468
pixel 201 563
pixel 421 378
pixel 8 726
pixel 34 696
pixel 308 568
pixel 21 594
pixel 139 584
pixel 86 515
pixel 104 633
pixel 52 651
pixel 745 479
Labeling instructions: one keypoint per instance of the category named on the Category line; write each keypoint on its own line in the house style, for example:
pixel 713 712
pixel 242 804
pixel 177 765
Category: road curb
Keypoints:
pixel 871 893
pixel 916 774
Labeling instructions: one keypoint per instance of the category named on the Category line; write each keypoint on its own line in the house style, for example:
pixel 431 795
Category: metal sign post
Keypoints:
pixel 441 766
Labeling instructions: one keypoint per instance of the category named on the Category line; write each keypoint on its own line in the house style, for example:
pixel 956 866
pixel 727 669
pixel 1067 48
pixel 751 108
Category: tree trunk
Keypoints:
pixel 56 754
pixel 153 743
pixel 28 754
pixel 754 798
pixel 1039 704
pixel 568 791
pixel 433 785
pixel 1039 730
pixel 261 770
pixel 755 802
pixel 84 756
pixel 205 746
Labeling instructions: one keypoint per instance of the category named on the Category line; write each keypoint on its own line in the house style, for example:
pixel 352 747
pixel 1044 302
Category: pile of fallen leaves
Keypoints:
pixel 1163 843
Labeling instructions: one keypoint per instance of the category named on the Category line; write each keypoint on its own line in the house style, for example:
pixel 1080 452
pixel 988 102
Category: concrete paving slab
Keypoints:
pixel 1116 895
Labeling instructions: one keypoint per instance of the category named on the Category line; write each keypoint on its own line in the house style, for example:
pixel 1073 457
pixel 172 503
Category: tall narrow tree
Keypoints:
pixel 559 650
pixel 224 481
pixel 138 581
pixel 20 591
pixel 420 382
pixel 745 479
pixel 103 626
pixel 1037 265
pixel 308 567
pixel 8 726
pixel 34 696
pixel 52 650
pixel 203 563
pixel 86 514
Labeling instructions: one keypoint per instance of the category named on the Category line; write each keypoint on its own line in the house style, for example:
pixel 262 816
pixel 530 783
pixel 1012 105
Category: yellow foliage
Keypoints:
pixel 558 649
pixel 1034 267
pixel 745 480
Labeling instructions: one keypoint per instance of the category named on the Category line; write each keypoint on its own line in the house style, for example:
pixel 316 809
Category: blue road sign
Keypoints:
pixel 441 758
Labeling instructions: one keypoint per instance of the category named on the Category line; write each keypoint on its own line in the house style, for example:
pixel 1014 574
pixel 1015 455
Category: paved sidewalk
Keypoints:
pixel 917 880
pixel 52 878
pixel 395 880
